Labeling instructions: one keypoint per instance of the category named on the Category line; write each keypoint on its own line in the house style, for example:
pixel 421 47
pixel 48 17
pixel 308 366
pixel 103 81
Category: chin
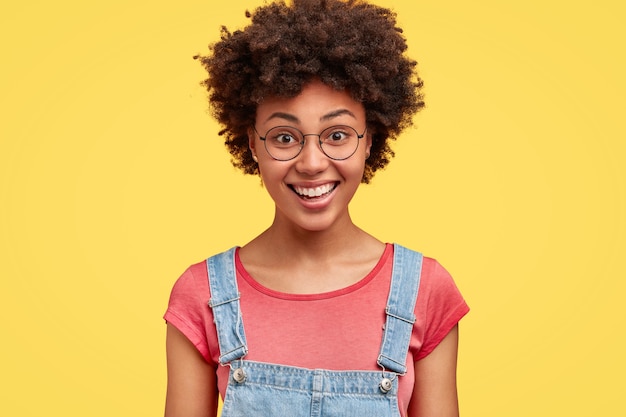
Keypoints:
pixel 322 224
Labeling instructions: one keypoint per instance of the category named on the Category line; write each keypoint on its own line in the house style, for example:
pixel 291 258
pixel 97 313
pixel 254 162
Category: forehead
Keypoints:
pixel 316 102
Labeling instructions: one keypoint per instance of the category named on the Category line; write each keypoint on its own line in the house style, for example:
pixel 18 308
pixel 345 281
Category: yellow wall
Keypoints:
pixel 112 181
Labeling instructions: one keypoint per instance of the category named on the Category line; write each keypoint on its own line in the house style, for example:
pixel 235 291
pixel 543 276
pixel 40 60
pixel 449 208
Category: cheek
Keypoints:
pixel 271 174
pixel 353 171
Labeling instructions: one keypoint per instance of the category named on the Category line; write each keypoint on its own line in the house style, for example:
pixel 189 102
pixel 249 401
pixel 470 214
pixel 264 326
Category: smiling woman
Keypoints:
pixel 113 178
pixel 306 169
pixel 295 315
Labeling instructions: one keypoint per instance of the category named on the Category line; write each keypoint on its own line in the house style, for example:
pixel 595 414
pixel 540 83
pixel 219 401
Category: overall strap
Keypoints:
pixel 405 280
pixel 225 304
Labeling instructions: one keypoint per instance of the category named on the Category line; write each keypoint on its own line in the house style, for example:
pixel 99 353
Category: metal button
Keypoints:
pixel 239 375
pixel 385 385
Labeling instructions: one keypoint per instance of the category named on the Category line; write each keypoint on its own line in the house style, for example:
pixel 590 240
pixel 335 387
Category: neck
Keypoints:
pixel 293 260
pixel 283 239
pixel 314 243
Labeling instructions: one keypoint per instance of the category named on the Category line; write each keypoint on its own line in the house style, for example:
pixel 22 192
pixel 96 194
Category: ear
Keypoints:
pixel 252 143
pixel 368 145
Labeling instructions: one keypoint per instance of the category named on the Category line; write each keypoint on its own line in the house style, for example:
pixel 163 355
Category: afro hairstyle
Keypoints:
pixel 349 45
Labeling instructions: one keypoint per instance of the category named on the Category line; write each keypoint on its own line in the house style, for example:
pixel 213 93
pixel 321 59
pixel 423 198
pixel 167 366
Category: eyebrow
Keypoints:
pixel 328 116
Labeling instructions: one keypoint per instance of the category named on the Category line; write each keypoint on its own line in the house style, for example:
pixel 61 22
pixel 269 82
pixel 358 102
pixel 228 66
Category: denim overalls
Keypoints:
pixel 264 389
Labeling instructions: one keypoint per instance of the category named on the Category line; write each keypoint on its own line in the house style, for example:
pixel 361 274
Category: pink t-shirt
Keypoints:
pixel 338 330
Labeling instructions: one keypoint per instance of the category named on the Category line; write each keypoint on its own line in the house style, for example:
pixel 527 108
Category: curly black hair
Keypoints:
pixel 349 45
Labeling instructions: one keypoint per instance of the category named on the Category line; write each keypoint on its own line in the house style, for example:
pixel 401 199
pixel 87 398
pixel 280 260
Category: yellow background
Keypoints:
pixel 113 180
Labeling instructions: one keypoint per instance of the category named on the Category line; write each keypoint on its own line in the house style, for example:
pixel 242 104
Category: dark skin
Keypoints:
pixel 312 246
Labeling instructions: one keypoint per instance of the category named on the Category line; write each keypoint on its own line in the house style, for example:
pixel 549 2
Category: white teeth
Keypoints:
pixel 314 192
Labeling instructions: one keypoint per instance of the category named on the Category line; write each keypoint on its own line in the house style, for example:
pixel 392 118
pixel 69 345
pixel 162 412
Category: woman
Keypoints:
pixel 314 316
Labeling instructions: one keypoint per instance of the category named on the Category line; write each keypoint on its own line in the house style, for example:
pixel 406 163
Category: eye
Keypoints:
pixel 283 137
pixel 335 136
pixel 338 135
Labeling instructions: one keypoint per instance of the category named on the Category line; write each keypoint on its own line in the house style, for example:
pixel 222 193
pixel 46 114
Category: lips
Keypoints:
pixel 314 192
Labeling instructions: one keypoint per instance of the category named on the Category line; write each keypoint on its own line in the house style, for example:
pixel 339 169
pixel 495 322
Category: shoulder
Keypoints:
pixel 195 279
pixel 432 273
pixel 435 276
pixel 439 307
pixel 438 289
pixel 193 282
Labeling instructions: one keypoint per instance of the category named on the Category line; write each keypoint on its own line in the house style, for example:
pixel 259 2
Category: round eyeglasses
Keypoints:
pixel 284 143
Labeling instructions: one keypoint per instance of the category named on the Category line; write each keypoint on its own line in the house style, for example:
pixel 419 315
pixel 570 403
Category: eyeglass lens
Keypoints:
pixel 286 142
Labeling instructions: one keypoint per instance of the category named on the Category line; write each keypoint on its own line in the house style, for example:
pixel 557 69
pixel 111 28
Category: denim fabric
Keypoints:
pixel 264 389
pixel 225 304
pixel 405 281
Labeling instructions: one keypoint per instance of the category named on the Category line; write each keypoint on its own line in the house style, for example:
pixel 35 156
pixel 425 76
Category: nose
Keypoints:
pixel 311 159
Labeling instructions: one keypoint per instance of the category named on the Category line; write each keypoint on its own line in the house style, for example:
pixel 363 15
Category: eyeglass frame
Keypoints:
pixel 303 142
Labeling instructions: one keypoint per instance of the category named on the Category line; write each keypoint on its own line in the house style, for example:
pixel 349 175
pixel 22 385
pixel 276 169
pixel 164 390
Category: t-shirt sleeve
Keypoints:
pixel 439 307
pixel 188 310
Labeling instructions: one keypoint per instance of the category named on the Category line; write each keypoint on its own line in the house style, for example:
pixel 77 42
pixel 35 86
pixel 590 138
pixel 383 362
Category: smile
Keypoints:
pixel 314 192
